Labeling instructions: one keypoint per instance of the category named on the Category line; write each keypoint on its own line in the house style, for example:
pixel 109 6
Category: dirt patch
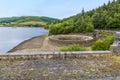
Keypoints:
pixel 40 43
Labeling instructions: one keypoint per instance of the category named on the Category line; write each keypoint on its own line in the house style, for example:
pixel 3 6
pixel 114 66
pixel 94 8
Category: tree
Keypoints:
pixel 103 17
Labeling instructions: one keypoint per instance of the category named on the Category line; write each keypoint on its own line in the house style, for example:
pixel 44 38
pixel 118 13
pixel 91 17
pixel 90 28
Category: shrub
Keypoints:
pixel 106 33
pixel 74 47
pixel 103 44
pixel 90 27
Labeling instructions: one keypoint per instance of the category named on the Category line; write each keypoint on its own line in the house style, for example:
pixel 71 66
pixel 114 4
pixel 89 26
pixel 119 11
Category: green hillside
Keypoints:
pixel 104 17
pixel 26 21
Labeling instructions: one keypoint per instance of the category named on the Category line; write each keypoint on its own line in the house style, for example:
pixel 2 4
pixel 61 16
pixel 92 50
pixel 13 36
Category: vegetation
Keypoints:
pixel 74 47
pixel 26 21
pixel 103 44
pixel 104 17
pixel 32 23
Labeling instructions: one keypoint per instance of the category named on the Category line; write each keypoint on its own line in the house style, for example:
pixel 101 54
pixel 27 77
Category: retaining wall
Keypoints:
pixel 52 55
pixel 68 42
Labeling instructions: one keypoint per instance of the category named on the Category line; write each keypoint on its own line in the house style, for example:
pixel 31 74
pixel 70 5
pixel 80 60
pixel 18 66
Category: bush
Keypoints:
pixel 103 44
pixel 89 27
pixel 106 33
pixel 74 47
pixel 71 26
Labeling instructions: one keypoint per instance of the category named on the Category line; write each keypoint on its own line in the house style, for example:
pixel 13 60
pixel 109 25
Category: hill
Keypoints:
pixel 106 16
pixel 26 21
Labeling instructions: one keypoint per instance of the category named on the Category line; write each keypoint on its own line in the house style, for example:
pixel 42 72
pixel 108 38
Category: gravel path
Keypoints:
pixel 93 68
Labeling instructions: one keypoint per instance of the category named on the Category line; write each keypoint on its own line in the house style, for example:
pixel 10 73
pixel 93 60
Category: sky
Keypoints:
pixel 50 8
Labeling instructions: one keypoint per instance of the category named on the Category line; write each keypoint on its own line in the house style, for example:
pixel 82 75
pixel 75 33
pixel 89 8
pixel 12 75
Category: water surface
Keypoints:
pixel 12 36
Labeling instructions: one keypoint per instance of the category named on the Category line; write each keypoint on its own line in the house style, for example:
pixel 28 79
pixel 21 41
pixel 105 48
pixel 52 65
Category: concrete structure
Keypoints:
pixel 52 55
pixel 71 39
pixel 115 47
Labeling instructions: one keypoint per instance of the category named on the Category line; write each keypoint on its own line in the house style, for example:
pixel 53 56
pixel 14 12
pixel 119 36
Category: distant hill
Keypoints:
pixel 106 16
pixel 26 21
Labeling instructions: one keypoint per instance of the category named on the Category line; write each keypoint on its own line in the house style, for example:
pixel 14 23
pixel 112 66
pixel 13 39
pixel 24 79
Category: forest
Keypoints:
pixel 105 17
pixel 26 21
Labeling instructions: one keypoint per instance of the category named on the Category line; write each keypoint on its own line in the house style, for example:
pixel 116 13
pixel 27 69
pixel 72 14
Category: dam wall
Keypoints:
pixel 52 55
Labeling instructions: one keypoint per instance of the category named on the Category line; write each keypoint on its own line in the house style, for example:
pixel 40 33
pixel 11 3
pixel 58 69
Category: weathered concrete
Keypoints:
pixel 52 55
pixel 115 47
pixel 71 39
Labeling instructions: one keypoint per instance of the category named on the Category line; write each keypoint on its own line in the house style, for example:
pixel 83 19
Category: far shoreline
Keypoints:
pixel 26 26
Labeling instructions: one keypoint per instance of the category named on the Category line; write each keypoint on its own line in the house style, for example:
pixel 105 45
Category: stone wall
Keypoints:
pixel 68 42
pixel 115 49
pixel 52 55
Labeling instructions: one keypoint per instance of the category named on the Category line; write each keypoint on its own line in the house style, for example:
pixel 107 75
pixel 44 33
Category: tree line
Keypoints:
pixel 106 16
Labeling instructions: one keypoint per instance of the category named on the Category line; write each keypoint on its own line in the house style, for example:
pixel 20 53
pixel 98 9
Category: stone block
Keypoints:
pixel 115 49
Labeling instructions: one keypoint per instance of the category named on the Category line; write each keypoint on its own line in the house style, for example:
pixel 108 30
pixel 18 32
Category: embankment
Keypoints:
pixel 52 43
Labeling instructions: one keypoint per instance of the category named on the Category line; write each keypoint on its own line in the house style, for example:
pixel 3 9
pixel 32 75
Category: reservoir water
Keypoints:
pixel 12 36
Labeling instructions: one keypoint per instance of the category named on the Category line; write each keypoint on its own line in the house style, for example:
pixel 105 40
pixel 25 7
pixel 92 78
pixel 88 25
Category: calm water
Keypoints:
pixel 10 37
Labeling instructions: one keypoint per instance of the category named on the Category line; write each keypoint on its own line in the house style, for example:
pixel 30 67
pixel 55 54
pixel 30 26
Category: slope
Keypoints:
pixel 26 21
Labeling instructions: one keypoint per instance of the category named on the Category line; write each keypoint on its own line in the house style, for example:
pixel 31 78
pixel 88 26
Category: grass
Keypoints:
pixel 104 44
pixel 74 47
pixel 32 23
pixel 28 23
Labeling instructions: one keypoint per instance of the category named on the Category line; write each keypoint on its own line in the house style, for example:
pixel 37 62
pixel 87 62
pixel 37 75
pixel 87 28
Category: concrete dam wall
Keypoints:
pixel 52 55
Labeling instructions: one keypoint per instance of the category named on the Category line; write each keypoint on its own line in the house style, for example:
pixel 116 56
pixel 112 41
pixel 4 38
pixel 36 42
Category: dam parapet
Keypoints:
pixel 52 55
